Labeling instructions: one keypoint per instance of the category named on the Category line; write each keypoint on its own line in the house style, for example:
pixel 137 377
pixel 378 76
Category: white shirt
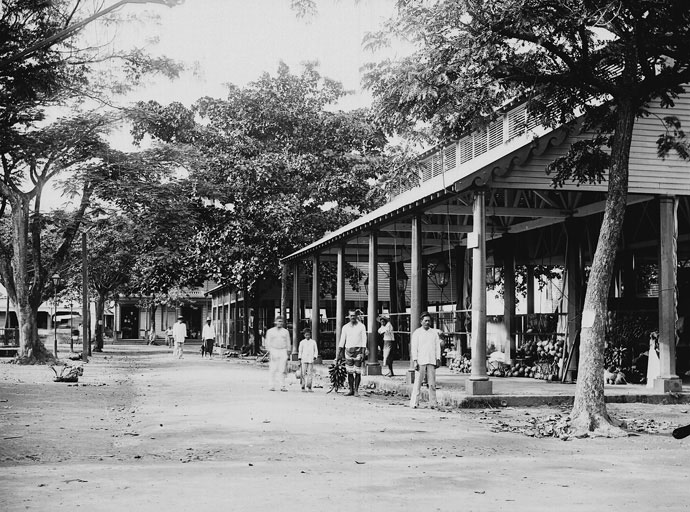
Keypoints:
pixel 426 346
pixel 208 332
pixel 308 351
pixel 353 335
pixel 278 339
pixel 179 332
pixel 387 331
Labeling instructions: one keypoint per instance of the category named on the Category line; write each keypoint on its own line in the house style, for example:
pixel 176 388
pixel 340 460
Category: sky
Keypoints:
pixel 235 41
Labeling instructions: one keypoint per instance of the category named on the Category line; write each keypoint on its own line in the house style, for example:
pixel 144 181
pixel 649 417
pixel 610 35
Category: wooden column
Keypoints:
pixel 373 366
pixel 315 300
pixel 575 293
pixel 245 312
pixel 340 297
pixel 530 289
pixel 478 383
pixel 416 283
pixel 284 291
pixel 668 312
pixel 296 310
pixel 508 255
pixel 461 342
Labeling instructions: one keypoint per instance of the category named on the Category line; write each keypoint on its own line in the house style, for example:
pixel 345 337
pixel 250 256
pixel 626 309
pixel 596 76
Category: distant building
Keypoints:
pixel 133 322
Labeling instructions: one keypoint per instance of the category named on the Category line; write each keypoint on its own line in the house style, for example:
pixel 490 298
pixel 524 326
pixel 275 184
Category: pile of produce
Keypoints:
pixel 537 359
pixel 460 364
pixel 337 374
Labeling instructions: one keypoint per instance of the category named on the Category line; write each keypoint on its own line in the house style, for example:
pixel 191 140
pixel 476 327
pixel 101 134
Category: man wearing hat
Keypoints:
pixel 179 335
pixel 208 337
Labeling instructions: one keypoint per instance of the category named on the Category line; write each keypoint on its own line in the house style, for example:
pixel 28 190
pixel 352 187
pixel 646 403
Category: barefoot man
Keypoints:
pixel 353 343
pixel 426 357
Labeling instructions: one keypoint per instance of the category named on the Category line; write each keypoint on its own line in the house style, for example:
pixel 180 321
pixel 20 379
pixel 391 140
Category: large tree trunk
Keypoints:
pixel 100 309
pixel 151 334
pixel 24 288
pixel 589 415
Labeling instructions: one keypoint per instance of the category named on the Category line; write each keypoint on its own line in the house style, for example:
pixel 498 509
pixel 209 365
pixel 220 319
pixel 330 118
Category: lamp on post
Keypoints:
pixel 55 278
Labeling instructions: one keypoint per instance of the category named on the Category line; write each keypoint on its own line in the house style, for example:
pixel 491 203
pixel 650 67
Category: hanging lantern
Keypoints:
pixel 439 272
pixel 401 277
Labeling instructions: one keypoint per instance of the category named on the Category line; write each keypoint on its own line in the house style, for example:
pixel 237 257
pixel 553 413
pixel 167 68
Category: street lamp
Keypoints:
pixel 56 282
pixel 72 29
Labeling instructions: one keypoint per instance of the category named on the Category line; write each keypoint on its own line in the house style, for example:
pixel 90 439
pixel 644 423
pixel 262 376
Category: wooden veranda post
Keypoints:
pixel 530 289
pixel 461 341
pixel 296 310
pixel 573 270
pixel 668 313
pixel 284 291
pixel 340 297
pixel 509 293
pixel 315 301
pixel 373 366
pixel 478 383
pixel 416 283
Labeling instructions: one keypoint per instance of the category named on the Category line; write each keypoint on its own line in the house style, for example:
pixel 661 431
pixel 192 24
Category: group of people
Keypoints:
pixel 177 334
pixel 279 347
pixel 425 354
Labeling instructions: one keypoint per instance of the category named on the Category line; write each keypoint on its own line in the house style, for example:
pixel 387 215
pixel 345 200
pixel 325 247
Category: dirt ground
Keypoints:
pixel 143 431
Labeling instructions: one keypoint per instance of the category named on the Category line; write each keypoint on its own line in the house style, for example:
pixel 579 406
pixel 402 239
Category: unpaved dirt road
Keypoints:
pixel 144 432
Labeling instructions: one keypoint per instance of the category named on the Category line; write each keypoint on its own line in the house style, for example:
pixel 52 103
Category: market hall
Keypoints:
pixel 484 205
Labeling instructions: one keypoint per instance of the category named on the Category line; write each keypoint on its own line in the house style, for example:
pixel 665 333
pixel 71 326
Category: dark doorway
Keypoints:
pixel 129 322
pixel 192 317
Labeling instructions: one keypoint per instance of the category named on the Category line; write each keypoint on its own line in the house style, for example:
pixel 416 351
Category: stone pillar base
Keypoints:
pixel 479 387
pixel 409 377
pixel 372 369
pixel 668 385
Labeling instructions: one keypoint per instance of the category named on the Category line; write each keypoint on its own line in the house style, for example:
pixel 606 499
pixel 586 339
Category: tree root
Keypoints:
pixel 46 358
pixel 37 355
pixel 588 424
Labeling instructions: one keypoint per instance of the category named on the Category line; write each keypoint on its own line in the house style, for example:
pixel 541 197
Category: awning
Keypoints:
pixel 67 316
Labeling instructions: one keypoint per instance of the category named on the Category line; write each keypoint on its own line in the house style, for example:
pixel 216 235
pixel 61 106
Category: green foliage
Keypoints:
pixel 473 56
pixel 276 165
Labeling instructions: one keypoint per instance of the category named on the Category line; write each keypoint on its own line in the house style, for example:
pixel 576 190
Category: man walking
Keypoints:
pixel 179 335
pixel 426 357
pixel 208 337
pixel 353 343
pixel 279 345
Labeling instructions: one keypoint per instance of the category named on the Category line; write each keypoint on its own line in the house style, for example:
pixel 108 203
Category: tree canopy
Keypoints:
pixel 278 166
